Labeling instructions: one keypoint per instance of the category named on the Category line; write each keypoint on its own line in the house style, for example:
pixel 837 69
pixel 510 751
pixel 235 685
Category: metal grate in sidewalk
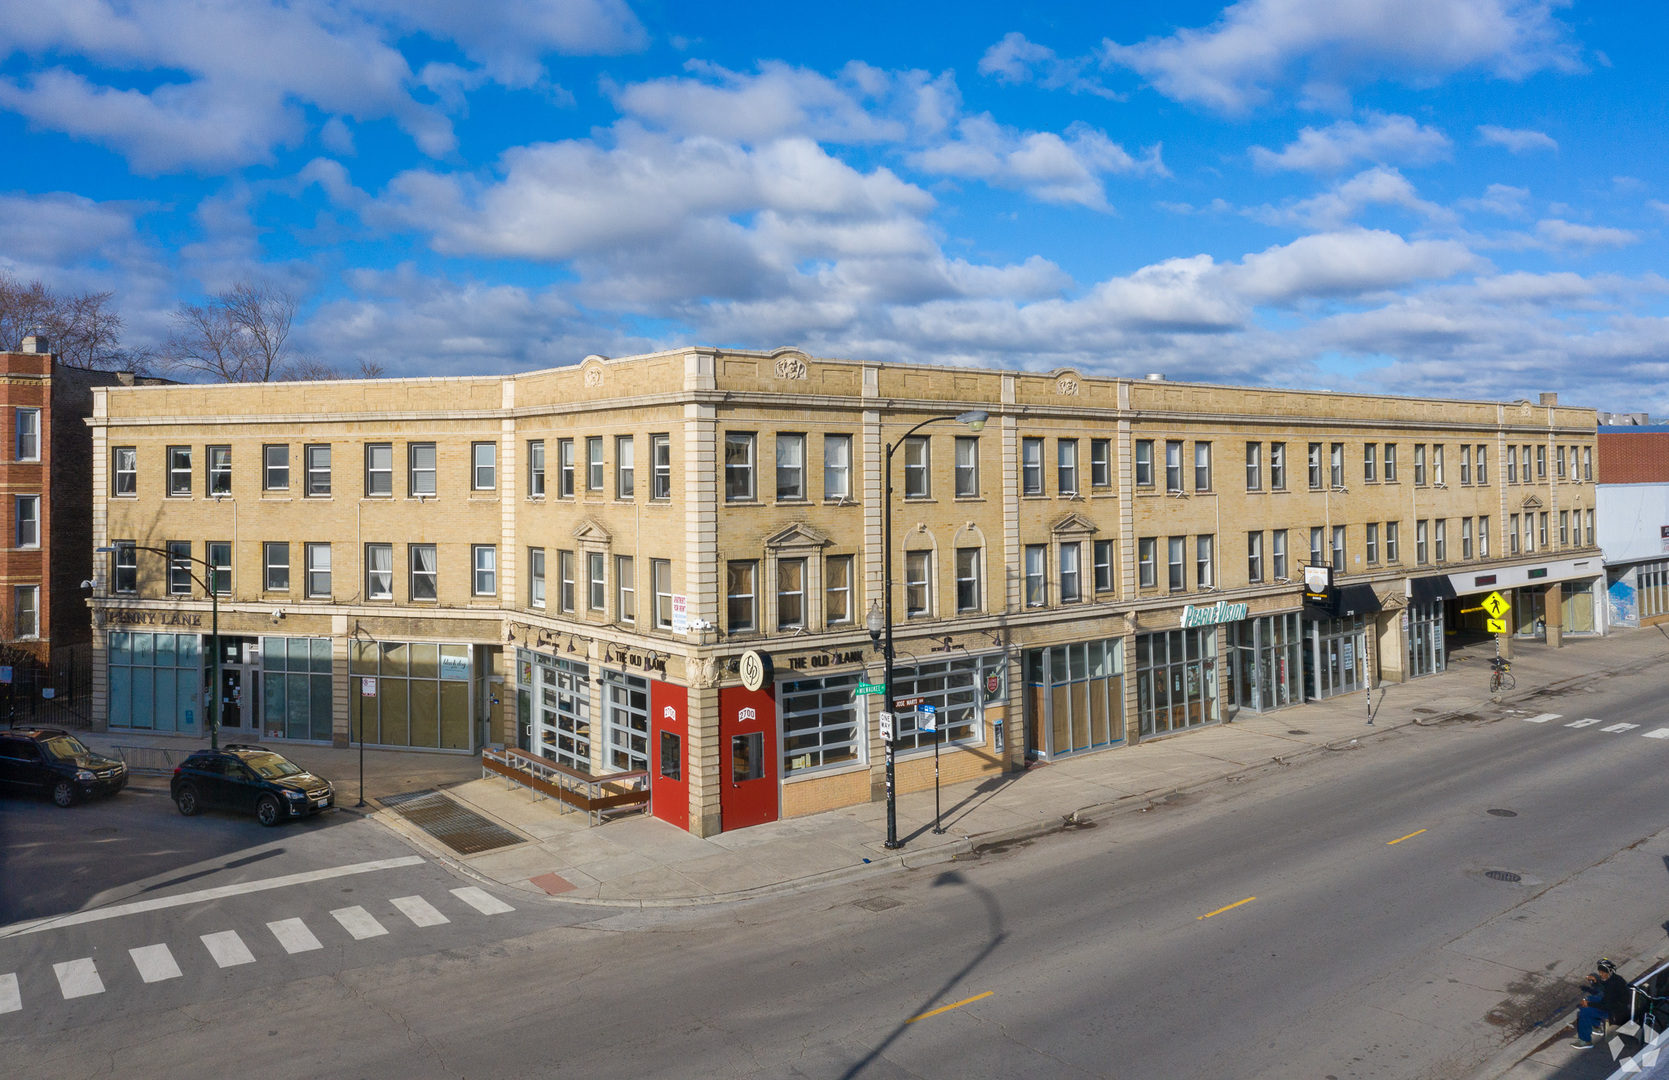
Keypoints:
pixel 458 827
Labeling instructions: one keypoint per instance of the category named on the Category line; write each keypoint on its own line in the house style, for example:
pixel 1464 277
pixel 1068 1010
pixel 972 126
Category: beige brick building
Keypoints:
pixel 574 560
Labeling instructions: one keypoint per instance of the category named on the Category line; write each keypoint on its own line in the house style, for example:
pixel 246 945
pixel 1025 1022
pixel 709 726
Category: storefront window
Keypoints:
pixel 154 681
pixel 1176 680
pixel 626 707
pixel 422 694
pixel 819 722
pixel 1652 588
pixel 1075 697
pixel 1579 607
pixel 953 687
pixel 1268 662
pixel 295 687
pixel 559 707
pixel 1423 626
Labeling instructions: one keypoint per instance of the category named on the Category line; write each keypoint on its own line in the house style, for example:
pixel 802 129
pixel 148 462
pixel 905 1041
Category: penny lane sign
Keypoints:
pixel 131 617
pixel 1220 612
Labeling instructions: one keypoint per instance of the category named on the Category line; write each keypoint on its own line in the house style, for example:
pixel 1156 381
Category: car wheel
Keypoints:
pixel 268 812
pixel 186 800
pixel 63 793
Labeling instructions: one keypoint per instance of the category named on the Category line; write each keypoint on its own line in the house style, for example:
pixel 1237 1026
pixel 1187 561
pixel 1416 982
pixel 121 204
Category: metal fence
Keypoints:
pixel 154 760
pixel 57 694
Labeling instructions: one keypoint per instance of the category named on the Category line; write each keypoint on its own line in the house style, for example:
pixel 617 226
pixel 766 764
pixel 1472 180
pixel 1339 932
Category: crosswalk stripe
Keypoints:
pixel 78 978
pixel 359 922
pixel 481 900
pixel 155 963
pixel 1660 733
pixel 419 910
pixel 1620 727
pixel 294 936
pixel 10 999
pixel 1590 722
pixel 228 949
pixel 1542 718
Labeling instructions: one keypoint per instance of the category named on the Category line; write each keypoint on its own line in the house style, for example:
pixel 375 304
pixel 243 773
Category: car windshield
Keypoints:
pixel 63 746
pixel 272 767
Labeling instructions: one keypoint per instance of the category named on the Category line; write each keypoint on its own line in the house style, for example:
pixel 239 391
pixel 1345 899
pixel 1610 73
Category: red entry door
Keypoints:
pixel 669 773
pixel 747 757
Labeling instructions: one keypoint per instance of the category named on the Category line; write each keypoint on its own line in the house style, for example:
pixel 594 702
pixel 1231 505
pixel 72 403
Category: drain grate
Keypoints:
pixel 458 827
pixel 1503 875
pixel 1502 813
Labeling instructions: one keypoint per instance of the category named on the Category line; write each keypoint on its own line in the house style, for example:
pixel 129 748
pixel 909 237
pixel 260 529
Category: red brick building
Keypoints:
pixel 1633 455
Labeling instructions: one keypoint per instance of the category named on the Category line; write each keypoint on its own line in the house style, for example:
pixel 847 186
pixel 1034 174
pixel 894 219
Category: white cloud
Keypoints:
pixel 1502 199
pixel 1015 60
pixel 1352 262
pixel 1256 46
pixel 1064 170
pixel 1379 186
pixel 1342 144
pixel 1516 140
pixel 1558 233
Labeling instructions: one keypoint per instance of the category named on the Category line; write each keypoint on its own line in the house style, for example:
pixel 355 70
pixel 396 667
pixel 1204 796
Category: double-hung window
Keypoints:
pixel 179 471
pixel 1100 463
pixel 660 583
pixel 318 469
pixel 1419 464
pixel 1335 465
pixel 1564 528
pixel 739 595
pixel 1483 538
pixel 565 579
pixel 379 469
pixel 1277 466
pixel 421 475
pixel 1177 549
pixel 565 466
pixel 1541 462
pixel 1144 462
pixel 1103 566
pixel 1071 558
pixel 1422 531
pixel 967 466
pixel 837 466
pixel 660 464
pixel 791 594
pixel 1315 466
pixel 1205 563
pixel 275 467
pixel 594 463
pixel 1440 539
pixel 916 467
pixel 536 577
pixel 1066 466
pixel 28 519
pixel 1037 559
pixel 424 574
pixel 536 468
pixel 837 589
pixel 1391 551
pixel 1031 466
pixel 1254 557
pixel 1587 463
pixel 124 567
pixel 179 567
pixel 1437 463
pixel 1483 464
pixel 26 611
pixel 791 467
pixel 918 592
pixel 275 560
pixel 738 468
pixel 220 470
pixel 967 579
pixel 1254 466
pixel 1371 542
pixel 220 566
pixel 596 581
pixel 1512 464
pixel 28 434
pixel 625 589
pixel 1318 545
pixel 1147 561
pixel 318 570
pixel 1173 466
pixel 1559 462
pixel 1390 463
pixel 1278 554
pixel 483 470
pixel 1202 466
pixel 1338 549
pixel 1465 464
pixel 1370 463
pixel 1465 538
pixel 379 571
pixel 625 467
pixel 125 471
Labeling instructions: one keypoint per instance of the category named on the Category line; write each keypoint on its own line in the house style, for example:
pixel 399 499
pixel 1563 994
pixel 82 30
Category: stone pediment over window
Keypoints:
pixel 1073 525
pixel 590 534
pixel 794 537
pixel 1532 503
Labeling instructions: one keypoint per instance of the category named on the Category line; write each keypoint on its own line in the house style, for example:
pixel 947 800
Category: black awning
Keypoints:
pixel 1423 590
pixel 1356 600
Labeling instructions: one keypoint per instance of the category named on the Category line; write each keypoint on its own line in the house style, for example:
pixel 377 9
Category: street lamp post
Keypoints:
pixel 214 627
pixel 879 623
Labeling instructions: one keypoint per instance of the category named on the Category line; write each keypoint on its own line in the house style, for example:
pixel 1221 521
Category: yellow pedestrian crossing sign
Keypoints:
pixel 1496 626
pixel 1497 606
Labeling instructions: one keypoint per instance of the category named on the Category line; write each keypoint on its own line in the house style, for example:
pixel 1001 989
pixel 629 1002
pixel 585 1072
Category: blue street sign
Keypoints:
pixel 927 717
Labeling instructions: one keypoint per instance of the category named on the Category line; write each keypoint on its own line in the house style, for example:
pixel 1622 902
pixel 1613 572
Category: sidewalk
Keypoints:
pixel 642 862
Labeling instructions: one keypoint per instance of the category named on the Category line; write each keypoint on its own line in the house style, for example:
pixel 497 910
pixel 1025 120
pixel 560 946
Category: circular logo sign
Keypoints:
pixel 755 669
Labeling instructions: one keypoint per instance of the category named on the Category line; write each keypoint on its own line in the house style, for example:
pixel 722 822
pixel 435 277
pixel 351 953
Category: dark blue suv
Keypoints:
pixel 47 761
pixel 249 779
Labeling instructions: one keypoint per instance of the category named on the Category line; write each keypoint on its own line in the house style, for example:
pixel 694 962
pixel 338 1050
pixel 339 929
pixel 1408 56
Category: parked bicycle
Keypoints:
pixel 1500 675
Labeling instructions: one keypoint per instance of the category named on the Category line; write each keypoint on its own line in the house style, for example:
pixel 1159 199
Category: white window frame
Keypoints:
pixel 483 561
pixel 791 466
pixel 1144 462
pixel 1071 558
pixel 124 472
pixel 596 581
pixel 536 468
pixel 27 425
pixel 219 469
pixel 1254 557
pixel 792 594
pixel 179 472
pixel 625 589
pixel 837 466
pixel 660 464
pixel 1254 466
pixel 1100 463
pixel 483 466
pixel 565 468
pixel 660 583
pixel 837 589
pixel 379 580
pixel 1066 466
pixel 595 467
pixel 124 563
pixel 967 466
pixel 26 511
pixel 739 474
pixel 736 600
pixel 625 467
pixel 275 476
pixel 536 577
pixel 1278 554
pixel 316 571
pixel 918 466
pixel 379 478
pixel 26 611
pixel 1037 575
pixel 1105 578
pixel 1202 466
pixel 1147 562
pixel 416 556
pixel 422 479
pixel 270 565
pixel 1205 562
pixel 967 579
pixel 1031 466
pixel 314 471
pixel 918 584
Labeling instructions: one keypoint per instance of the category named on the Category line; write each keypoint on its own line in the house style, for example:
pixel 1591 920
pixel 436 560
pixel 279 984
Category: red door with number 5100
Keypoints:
pixel 748 757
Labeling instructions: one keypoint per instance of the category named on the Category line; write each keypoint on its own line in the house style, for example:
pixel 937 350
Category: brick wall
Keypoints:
pixel 1636 457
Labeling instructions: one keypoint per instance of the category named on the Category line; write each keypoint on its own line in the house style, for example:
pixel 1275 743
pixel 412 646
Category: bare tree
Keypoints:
pixel 240 335
pixel 82 328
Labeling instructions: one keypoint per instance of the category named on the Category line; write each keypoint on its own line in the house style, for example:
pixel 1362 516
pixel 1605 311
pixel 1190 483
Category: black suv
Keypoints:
pixel 47 761
pixel 249 779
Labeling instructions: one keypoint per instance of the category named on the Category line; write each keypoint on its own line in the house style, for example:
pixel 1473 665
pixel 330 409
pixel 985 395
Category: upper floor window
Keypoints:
pixel 536 577
pixel 1277 466
pixel 1315 466
pixel 1278 554
pixel 483 466
pixel 220 566
pixel 421 476
pixel 28 434
pixel 1541 462
pixel 1587 463
pixel 125 470
pixel 1335 469
pixel 739 596
pixel 26 610
pixel 791 593
pixel 660 461
pixel 837 589
pixel 179 470
pixel 918 592
pixel 275 566
pixel 625 589
pixel 1037 560
pixel 379 470
pixel 1437 463
pixel 738 466
pixel 379 571
pixel 1370 542
pixel 275 467
pixel 1483 466
pixel 1031 466
pixel 791 466
pixel 1254 557
pixel 1066 466
pixel 124 567
pixel 1338 548
pixel 318 469
pixel 179 567
pixel 424 583
pixel 1071 556
pixel 565 466
pixel 1390 463
pixel 837 466
pixel 318 569
pixel 1465 464
pixel 967 466
pixel 596 571
pixel 916 467
pixel 1100 463
pixel 1370 463
pixel 1103 566
pixel 1419 464
pixel 1559 461
pixel 1205 562
pixel 1147 562
pixel 1176 566
pixel 1173 466
pixel 660 583
pixel 594 463
pixel 1202 466
pixel 565 580
pixel 625 467
pixel 485 560
pixel 967 579
pixel 536 467
pixel 1512 464
pixel 28 521
pixel 220 470
pixel 1254 466
pixel 1144 462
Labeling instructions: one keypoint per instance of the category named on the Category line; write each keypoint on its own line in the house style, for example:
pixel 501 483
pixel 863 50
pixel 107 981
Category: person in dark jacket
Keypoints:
pixel 1607 1000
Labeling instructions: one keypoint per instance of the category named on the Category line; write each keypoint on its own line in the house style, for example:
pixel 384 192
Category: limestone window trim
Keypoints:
pixel 970 535
pixel 1073 528
pixel 919 539
pixel 591 538
pixel 797 540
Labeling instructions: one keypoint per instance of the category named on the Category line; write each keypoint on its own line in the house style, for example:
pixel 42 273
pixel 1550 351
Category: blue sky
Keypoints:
pixel 1435 197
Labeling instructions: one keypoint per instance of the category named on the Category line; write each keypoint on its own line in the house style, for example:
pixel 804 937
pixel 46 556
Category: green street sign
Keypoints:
pixel 871 688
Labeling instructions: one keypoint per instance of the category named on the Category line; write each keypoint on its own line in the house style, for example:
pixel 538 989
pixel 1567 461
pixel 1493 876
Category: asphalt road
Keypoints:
pixel 1265 929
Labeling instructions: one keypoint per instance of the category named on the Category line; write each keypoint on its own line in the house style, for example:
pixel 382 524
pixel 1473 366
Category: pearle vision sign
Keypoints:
pixel 1220 612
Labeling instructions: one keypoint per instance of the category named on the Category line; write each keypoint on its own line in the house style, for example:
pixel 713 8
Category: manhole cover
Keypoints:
pixel 1297 731
pixel 458 827
pixel 1503 875
pixel 878 903
pixel 1502 813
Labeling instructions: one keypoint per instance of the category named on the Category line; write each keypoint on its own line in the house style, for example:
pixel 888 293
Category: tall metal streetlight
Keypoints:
pixel 214 626
pixel 879 622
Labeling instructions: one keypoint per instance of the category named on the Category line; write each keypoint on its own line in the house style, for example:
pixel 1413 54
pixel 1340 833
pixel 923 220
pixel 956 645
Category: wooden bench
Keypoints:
pixel 595 795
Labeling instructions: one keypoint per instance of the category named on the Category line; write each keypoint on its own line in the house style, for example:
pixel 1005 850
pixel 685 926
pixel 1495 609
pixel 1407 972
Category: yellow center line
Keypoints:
pixel 1220 910
pixel 1400 839
pixel 948 1008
